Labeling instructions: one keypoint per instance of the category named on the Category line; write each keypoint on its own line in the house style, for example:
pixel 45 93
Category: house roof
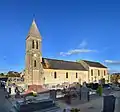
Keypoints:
pixel 61 64
pixel 94 64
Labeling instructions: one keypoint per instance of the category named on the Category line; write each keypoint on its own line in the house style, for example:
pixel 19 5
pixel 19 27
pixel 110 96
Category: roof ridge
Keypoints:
pixel 94 64
pixel 92 61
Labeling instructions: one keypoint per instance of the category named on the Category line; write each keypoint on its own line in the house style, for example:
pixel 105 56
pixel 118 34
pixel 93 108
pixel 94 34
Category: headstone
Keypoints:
pixel 68 97
pixel 53 94
pixel 109 103
pixel 44 96
pixel 117 106
pixel 84 94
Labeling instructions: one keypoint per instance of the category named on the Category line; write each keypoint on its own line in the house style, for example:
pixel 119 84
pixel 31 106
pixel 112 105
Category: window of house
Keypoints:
pixel 36 44
pixel 98 72
pixel 76 75
pixel 34 63
pixel 32 43
pixel 66 74
pixel 104 72
pixel 91 72
pixel 55 75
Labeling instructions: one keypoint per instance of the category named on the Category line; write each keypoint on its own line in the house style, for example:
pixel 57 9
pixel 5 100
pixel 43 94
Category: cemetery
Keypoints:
pixel 62 100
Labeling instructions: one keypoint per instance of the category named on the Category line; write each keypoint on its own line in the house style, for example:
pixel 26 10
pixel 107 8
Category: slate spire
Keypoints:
pixel 34 32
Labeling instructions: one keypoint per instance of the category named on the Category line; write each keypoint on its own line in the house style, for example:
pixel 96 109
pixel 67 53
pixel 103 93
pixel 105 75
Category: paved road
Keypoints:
pixel 4 103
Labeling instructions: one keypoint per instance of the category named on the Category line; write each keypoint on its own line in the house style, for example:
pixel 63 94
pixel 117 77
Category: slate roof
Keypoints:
pixel 61 64
pixel 34 30
pixel 94 64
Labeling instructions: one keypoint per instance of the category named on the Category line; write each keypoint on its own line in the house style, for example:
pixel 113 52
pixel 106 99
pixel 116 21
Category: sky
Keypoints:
pixel 70 29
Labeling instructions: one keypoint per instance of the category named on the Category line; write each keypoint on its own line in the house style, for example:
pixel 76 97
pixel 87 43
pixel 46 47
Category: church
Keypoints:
pixel 45 71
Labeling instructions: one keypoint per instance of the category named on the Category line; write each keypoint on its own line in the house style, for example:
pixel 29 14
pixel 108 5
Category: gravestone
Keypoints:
pixel 53 94
pixel 109 103
pixel 117 106
pixel 45 95
pixel 84 95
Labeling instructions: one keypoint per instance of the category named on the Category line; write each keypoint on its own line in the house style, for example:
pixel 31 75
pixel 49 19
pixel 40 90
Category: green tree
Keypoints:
pixel 1 74
pixel 115 77
pixel 13 74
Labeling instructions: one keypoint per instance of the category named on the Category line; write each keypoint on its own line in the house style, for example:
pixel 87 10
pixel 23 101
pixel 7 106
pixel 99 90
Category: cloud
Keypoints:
pixel 83 44
pixel 81 49
pixel 112 62
pixel 76 51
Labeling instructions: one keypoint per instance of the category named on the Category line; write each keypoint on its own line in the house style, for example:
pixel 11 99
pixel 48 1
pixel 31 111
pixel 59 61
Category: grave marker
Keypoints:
pixel 109 103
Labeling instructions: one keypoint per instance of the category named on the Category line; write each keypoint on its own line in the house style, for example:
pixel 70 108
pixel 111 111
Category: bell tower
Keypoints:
pixel 33 57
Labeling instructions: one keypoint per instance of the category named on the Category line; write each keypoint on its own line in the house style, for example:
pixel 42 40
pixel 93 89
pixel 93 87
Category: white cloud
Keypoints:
pixel 76 51
pixel 83 44
pixel 81 49
pixel 112 62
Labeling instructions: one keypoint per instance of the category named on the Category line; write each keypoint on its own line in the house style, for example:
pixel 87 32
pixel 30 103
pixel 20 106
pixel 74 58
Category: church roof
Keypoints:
pixel 94 64
pixel 62 65
pixel 34 30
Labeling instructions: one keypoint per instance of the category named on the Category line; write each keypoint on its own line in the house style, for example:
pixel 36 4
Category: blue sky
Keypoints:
pixel 70 29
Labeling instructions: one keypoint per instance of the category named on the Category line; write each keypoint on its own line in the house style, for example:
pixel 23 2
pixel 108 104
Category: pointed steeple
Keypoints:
pixel 34 32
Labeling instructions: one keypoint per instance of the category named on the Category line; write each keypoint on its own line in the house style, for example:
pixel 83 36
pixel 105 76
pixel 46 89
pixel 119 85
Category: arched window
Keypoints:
pixel 66 74
pixel 34 63
pixel 55 75
pixel 36 44
pixel 76 75
pixel 33 44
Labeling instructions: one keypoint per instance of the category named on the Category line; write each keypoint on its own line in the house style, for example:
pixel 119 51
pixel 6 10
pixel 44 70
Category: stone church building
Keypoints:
pixel 40 70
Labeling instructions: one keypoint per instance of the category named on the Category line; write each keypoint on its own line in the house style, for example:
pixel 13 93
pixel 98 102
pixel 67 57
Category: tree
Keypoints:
pixel 1 74
pixel 115 77
pixel 13 74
